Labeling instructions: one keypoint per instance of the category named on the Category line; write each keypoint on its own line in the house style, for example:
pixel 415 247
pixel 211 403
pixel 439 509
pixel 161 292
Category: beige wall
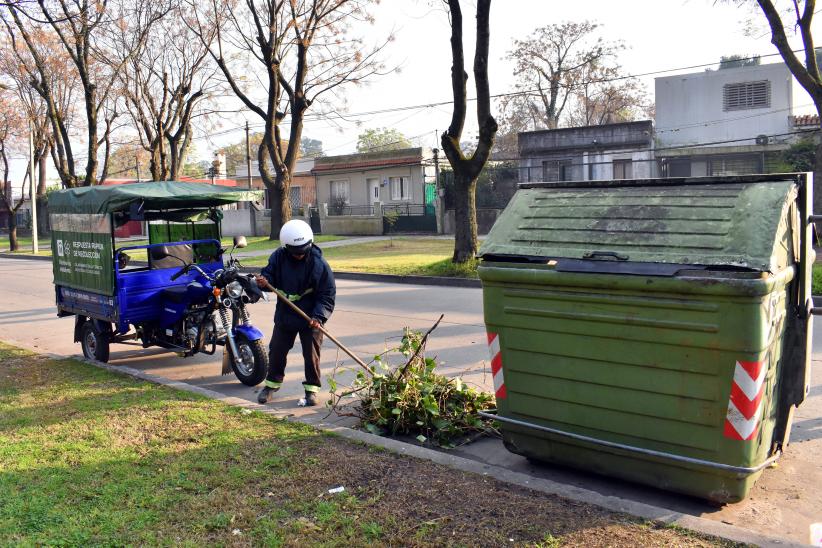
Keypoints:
pixel 352 225
pixel 358 189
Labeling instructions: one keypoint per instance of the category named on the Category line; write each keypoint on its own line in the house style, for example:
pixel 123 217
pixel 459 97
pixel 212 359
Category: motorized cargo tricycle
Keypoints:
pixel 179 297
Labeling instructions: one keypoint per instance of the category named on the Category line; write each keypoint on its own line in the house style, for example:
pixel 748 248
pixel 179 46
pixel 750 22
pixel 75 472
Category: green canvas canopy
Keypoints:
pixel 153 196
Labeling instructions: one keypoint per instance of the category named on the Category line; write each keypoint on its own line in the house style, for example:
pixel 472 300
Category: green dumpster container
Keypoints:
pixel 656 331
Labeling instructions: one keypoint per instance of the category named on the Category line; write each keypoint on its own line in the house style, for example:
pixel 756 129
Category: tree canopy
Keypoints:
pixel 378 139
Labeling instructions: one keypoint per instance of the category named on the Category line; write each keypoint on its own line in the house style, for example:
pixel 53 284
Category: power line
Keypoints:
pixel 390 110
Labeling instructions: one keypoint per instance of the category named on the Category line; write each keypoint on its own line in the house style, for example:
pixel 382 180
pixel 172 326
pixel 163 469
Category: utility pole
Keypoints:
pixel 34 243
pixel 440 193
pixel 251 211
pixel 137 164
pixel 248 154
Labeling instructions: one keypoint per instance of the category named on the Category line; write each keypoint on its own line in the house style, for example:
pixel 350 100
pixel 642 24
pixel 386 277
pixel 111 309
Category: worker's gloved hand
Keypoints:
pixel 314 323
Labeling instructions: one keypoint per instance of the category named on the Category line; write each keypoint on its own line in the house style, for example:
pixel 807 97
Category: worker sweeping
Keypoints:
pixel 298 270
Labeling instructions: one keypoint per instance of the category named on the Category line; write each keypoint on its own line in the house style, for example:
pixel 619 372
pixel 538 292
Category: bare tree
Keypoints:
pixel 467 168
pixel 302 53
pixel 12 130
pixel 80 27
pixel 15 67
pixel 164 83
pixel 797 18
pixel 551 63
pixel 603 96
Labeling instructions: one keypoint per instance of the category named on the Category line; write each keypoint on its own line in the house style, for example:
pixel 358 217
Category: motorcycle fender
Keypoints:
pixel 249 331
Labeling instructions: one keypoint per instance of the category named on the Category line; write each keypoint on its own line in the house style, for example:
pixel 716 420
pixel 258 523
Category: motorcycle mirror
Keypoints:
pixel 240 242
pixel 159 253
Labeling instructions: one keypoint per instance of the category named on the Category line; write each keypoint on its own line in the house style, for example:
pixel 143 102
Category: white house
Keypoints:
pixel 729 121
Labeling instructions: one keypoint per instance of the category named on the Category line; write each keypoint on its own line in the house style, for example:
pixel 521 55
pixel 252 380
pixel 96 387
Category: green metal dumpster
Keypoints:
pixel 656 331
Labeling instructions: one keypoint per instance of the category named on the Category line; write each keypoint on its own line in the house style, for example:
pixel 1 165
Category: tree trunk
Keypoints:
pixel 42 216
pixel 13 243
pixel 465 218
pixel 42 201
pixel 817 181
pixel 275 193
pixel 284 184
pixel 154 164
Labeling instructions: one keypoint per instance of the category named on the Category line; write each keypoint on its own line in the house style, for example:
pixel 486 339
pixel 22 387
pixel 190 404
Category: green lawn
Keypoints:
pixel 402 256
pixel 89 457
pixel 254 243
pixel 44 244
pixel 817 280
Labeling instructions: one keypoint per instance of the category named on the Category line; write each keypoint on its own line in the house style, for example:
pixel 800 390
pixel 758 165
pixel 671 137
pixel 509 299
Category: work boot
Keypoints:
pixel 265 394
pixel 310 399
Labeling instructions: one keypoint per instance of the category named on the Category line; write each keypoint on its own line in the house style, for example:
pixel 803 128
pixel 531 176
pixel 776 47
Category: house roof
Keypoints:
pixel 806 120
pixel 350 162
pixel 218 181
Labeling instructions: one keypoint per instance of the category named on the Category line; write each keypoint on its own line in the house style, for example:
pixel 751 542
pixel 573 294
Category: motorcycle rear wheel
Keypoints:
pixel 95 343
pixel 255 368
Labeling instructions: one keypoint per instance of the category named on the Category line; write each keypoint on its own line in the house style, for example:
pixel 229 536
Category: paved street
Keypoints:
pixel 369 316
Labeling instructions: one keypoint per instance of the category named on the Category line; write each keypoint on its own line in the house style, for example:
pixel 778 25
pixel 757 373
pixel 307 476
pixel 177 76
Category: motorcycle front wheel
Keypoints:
pixel 254 366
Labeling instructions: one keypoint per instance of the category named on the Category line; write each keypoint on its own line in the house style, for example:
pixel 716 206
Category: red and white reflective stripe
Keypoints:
pixel 745 402
pixel 496 365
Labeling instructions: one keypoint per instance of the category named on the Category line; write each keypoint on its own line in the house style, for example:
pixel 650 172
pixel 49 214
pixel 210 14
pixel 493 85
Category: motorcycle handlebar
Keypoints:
pixel 179 273
pixel 185 270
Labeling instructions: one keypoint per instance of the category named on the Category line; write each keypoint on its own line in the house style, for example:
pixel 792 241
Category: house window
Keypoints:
pixel 340 192
pixel 679 168
pixel 747 95
pixel 400 188
pixel 295 198
pixel 557 170
pixel 623 169
pixel 735 165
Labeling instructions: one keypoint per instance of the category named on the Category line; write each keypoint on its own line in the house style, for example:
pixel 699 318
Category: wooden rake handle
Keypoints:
pixel 303 315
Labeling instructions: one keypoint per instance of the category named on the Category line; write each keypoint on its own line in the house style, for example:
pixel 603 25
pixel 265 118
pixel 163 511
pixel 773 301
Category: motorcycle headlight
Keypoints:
pixel 234 290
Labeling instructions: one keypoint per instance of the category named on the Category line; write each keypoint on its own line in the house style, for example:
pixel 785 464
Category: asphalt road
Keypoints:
pixel 371 317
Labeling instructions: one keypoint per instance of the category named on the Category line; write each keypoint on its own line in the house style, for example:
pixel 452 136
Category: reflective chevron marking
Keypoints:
pixel 745 400
pixel 496 365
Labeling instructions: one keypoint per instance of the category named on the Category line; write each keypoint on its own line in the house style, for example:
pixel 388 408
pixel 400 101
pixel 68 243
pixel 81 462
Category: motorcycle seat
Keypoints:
pixel 175 294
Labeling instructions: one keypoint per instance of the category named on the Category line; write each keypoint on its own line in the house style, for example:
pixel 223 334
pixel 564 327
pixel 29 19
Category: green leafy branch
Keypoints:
pixel 412 399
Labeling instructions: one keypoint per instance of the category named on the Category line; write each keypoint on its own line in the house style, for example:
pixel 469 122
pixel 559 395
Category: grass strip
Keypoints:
pixel 90 457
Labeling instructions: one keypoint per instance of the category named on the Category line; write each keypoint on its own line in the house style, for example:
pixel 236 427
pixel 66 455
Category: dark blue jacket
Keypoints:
pixel 294 277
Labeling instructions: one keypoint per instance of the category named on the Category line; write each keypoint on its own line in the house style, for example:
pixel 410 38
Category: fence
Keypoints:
pixel 496 186
pixel 408 209
pixel 343 210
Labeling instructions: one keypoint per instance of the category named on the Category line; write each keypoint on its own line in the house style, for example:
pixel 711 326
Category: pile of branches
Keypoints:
pixel 412 399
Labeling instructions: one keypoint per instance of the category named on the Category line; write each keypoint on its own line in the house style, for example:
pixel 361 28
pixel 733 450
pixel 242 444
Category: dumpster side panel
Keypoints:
pixel 673 371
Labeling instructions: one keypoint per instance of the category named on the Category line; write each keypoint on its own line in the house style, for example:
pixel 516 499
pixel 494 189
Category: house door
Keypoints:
pixel 373 191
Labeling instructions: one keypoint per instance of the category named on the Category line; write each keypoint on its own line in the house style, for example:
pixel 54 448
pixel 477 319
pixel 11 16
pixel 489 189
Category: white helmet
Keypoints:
pixel 296 236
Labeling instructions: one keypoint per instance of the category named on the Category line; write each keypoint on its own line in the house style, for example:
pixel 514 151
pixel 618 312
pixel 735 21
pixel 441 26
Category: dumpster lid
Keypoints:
pixel 712 221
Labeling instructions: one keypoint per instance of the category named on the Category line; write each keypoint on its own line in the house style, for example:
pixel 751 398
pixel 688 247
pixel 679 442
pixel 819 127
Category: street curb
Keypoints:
pixel 440 281
pixel 416 280
pixel 25 257
pixel 393 279
pixel 615 504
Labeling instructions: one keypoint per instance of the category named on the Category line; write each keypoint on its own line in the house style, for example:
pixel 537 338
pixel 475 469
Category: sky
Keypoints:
pixel 660 35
